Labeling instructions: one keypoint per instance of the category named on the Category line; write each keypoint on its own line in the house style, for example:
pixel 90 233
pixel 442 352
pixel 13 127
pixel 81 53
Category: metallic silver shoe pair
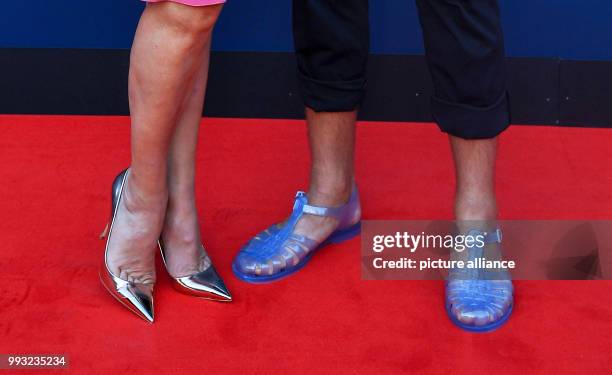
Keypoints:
pixel 138 297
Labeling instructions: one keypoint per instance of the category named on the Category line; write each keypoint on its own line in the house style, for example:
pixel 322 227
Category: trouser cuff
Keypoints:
pixel 332 96
pixel 469 122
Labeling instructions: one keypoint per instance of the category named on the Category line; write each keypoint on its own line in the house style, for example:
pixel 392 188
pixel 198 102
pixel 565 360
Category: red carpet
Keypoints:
pixel 56 174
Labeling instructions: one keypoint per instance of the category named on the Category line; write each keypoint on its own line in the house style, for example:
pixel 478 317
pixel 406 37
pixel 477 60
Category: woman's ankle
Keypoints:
pixel 137 200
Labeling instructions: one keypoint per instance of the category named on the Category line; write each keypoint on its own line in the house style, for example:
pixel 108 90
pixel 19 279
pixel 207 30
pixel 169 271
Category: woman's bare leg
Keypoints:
pixel 167 54
pixel 181 232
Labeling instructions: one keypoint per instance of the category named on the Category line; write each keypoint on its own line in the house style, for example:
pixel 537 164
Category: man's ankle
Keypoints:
pixel 483 208
pixel 330 194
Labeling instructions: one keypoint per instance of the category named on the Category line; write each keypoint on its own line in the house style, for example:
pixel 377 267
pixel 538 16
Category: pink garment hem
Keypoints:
pixel 194 3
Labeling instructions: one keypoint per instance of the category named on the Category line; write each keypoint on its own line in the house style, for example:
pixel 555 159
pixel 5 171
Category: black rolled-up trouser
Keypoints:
pixel 464 48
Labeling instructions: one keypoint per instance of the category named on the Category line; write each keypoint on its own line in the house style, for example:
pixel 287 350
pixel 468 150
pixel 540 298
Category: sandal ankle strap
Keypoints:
pixel 339 213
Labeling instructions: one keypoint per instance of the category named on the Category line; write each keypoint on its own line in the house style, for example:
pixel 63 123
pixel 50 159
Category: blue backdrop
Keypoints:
pixel 573 29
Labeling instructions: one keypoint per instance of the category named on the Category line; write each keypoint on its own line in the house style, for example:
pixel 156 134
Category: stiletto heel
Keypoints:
pixel 104 231
pixel 138 297
pixel 206 284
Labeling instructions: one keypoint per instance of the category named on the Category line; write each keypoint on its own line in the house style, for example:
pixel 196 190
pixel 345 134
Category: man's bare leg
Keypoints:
pixel 332 147
pixel 475 175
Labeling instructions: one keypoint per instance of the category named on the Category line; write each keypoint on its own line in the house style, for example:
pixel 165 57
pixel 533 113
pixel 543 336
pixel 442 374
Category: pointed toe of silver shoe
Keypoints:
pixel 206 284
pixel 141 300
pixel 138 298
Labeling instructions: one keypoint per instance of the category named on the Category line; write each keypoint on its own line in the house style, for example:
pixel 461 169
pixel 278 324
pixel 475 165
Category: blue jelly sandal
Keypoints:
pixel 278 252
pixel 479 300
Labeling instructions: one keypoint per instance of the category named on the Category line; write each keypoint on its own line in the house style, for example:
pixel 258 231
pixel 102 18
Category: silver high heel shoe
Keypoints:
pixel 205 284
pixel 138 297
